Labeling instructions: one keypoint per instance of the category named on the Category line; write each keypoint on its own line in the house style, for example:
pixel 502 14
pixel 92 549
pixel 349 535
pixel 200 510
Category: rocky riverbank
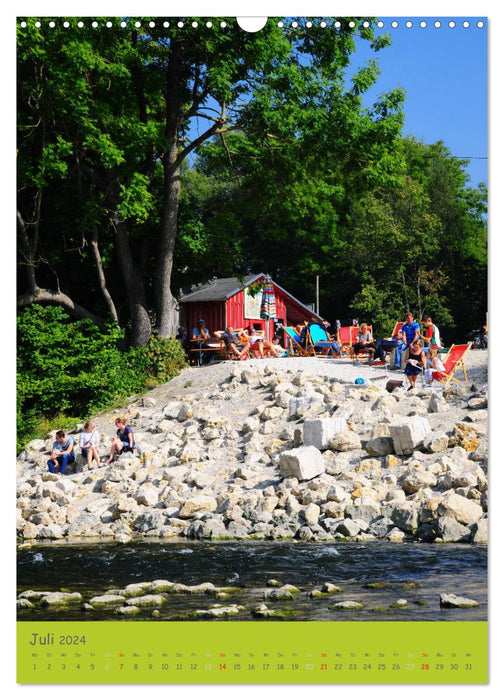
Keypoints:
pixel 162 599
pixel 277 449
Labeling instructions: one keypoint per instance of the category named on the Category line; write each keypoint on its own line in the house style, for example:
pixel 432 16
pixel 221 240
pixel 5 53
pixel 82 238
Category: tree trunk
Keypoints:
pixel 166 319
pixel 140 321
pixel 167 315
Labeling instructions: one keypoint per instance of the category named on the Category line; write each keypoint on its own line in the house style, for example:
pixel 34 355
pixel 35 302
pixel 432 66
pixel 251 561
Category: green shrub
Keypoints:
pixel 74 368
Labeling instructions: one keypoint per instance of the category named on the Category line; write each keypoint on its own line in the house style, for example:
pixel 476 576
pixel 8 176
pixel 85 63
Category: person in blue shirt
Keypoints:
pixel 410 332
pixel 201 335
pixel 62 453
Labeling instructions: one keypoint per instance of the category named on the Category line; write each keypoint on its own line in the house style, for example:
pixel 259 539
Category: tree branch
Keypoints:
pixel 101 275
pixel 49 296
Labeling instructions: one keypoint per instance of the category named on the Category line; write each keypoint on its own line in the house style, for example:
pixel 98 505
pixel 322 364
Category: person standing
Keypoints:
pixel 410 332
pixel 415 362
pixel 62 453
pixel 431 338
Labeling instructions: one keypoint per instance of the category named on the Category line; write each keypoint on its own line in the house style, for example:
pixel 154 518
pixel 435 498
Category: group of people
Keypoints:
pixel 62 452
pixel 238 341
pixel 421 350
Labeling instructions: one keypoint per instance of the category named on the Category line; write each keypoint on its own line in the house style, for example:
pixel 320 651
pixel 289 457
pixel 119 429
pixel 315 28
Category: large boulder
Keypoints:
pixel 197 504
pixel 409 433
pixel 318 432
pixel 303 463
pixel 449 530
pixel 464 510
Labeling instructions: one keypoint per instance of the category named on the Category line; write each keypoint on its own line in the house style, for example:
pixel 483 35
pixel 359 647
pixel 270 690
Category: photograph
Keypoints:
pixel 252 328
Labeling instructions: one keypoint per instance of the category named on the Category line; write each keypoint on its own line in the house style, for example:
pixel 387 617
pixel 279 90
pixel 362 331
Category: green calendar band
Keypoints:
pixel 252 652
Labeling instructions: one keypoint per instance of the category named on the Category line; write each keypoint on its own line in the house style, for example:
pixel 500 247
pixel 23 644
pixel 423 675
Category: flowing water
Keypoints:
pixel 375 574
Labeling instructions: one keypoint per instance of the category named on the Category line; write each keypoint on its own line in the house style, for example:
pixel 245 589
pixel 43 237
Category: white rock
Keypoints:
pixel 198 504
pixel 437 404
pixel 318 432
pixel 303 463
pixel 450 600
pixel 147 496
pixel 408 434
pixel 465 510
pixel 345 441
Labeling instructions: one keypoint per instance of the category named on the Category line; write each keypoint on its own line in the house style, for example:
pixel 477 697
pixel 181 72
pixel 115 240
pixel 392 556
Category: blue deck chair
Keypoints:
pixel 294 347
pixel 318 340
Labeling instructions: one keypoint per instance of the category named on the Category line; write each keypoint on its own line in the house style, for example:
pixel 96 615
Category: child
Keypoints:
pixel 434 364
pixel 124 442
pixel 62 453
pixel 88 442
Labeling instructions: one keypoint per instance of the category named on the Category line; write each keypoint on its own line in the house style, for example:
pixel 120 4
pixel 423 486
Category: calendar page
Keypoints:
pixel 296 494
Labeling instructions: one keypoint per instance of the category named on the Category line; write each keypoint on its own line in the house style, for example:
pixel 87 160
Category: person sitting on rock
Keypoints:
pixel 62 453
pixel 124 442
pixel 88 442
pixel 233 343
pixel 415 363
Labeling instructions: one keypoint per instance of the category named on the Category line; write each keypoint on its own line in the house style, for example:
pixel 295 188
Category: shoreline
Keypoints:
pixel 281 449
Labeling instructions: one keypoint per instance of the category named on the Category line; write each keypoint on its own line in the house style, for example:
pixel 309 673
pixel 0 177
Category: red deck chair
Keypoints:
pixel 347 336
pixel 453 361
pixel 397 328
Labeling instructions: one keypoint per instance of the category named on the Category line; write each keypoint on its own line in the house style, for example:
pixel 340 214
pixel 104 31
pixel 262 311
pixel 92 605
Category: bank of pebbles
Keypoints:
pixel 277 448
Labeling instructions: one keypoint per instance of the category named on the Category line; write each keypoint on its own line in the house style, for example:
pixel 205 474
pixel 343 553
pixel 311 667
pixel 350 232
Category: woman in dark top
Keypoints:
pixel 124 442
pixel 415 362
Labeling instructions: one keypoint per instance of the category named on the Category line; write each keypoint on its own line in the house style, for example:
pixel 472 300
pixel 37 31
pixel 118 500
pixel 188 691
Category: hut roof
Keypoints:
pixel 225 287
pixel 219 289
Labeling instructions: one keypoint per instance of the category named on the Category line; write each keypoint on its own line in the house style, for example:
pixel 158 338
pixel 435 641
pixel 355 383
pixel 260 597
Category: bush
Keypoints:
pixel 74 368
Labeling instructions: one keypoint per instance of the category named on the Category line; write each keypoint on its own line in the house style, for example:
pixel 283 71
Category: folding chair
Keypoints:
pixel 361 353
pixel 347 336
pixel 397 328
pixel 318 340
pixel 453 361
pixel 294 347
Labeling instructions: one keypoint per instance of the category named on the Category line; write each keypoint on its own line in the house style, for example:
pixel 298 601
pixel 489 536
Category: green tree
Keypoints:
pixel 106 122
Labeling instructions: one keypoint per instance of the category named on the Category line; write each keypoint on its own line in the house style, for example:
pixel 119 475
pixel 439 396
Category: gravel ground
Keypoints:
pixel 210 376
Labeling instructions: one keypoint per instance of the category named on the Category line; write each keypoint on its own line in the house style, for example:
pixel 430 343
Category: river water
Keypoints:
pixel 375 574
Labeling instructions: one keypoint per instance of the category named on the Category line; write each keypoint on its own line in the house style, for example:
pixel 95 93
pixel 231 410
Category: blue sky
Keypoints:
pixel 444 72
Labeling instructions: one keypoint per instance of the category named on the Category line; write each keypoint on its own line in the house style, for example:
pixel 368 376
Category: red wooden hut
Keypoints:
pixel 227 302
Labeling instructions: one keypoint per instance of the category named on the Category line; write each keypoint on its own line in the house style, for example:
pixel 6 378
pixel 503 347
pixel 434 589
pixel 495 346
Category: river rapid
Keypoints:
pixel 374 574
